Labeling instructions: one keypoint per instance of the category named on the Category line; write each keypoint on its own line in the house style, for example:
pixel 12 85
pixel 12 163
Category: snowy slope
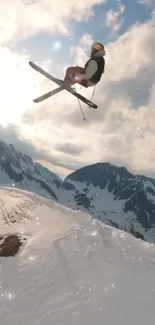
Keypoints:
pixel 73 269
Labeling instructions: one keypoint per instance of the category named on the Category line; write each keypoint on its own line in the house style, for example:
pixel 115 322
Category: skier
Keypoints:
pixel 91 74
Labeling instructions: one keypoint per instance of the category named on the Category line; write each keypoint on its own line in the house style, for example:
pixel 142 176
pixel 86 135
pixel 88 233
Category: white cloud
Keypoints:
pixel 113 19
pixel 121 130
pixel 146 2
pixel 20 19
pixel 132 52
pixel 18 85
pixel 82 50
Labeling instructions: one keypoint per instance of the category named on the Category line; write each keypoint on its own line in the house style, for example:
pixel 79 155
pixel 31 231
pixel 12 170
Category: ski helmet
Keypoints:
pixel 97 48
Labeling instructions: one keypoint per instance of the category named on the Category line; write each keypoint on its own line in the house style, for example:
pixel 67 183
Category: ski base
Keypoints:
pixel 47 95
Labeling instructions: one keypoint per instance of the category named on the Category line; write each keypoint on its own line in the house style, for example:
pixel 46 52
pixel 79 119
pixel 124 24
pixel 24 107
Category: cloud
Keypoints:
pixel 21 19
pixel 148 3
pixel 121 130
pixel 69 148
pixel 12 135
pixel 19 83
pixel 123 125
pixel 16 85
pixel 134 50
pixel 61 171
pixel 113 19
pixel 82 50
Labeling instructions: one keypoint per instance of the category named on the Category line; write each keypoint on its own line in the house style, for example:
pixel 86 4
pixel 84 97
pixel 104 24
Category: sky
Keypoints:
pixel 56 34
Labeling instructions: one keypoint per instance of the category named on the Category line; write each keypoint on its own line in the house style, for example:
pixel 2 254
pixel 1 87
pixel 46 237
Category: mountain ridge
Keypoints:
pixel 109 193
pixel 20 169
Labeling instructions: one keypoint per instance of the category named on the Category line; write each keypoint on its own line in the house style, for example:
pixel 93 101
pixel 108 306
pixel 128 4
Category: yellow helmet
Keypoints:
pixel 97 48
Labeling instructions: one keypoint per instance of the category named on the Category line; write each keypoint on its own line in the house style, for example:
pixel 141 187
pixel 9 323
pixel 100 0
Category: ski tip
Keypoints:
pixel 94 106
pixel 91 104
pixel 31 64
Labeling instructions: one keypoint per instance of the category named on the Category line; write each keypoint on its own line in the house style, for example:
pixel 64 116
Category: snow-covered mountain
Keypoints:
pixel 117 197
pixel 19 170
pixel 109 193
pixel 71 268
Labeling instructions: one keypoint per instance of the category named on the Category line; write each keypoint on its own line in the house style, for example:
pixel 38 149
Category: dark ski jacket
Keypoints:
pixel 101 66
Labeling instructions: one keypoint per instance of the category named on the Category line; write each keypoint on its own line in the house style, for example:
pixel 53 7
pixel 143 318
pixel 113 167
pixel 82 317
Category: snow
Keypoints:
pixel 32 185
pixel 102 204
pixel 105 207
pixel 4 178
pixel 73 269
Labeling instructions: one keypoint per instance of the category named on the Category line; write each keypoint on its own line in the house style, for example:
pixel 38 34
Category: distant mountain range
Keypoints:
pixel 107 192
pixel 19 169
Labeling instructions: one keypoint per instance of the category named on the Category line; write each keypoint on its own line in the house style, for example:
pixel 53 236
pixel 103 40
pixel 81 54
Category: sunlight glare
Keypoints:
pixel 17 87
pixel 56 46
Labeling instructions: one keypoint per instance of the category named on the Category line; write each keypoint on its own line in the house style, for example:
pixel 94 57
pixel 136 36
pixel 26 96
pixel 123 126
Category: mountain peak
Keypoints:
pixel 19 169
pixel 108 192
pixel 99 173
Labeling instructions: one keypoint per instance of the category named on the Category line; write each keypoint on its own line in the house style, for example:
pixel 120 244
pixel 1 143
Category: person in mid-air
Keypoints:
pixel 91 74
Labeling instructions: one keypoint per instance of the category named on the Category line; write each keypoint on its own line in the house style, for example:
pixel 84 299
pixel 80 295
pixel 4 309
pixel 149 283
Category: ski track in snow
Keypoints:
pixel 73 269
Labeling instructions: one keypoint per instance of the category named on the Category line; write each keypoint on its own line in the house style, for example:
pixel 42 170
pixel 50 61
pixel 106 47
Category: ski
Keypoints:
pixel 59 82
pixel 47 95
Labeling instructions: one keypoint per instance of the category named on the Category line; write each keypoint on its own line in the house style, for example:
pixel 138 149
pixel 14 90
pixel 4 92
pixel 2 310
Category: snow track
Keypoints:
pixel 73 270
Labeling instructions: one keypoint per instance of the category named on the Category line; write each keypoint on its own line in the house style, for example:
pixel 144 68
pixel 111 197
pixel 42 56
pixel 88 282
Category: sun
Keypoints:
pixel 56 46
